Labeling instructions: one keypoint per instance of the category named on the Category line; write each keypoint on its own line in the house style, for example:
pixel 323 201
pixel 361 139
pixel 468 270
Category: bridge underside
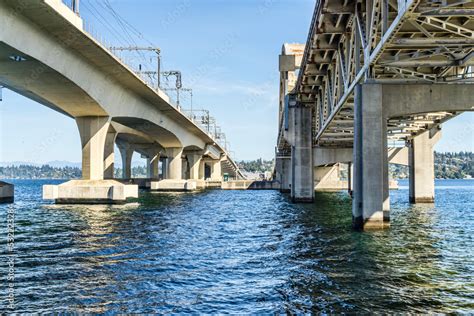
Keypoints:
pixel 46 56
pixel 35 80
pixel 375 74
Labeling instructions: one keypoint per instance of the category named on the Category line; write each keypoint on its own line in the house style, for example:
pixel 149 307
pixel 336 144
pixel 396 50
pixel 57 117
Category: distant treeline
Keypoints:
pixel 43 172
pixel 137 172
pixel 447 166
pixel 48 172
pixel 257 166
pixel 458 165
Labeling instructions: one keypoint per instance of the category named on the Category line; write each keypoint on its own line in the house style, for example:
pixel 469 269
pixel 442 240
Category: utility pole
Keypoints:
pixel 178 85
pixel 152 49
pixel 178 96
pixel 208 120
pixel 158 73
pixel 75 6
pixel 191 94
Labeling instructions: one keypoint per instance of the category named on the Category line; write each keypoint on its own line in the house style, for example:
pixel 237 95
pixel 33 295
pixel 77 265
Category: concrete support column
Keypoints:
pixel 202 169
pixel 109 154
pixel 421 166
pixel 386 179
pixel 194 166
pixel 350 177
pixel 164 168
pixel 302 183
pixel 175 170
pixel 370 157
pixel 287 175
pixel 185 169
pixel 152 165
pixel 93 132
pixel 216 170
pixel 127 154
pixel 283 173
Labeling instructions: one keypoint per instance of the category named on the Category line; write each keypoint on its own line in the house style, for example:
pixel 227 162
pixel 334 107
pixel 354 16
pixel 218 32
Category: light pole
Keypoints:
pixel 75 6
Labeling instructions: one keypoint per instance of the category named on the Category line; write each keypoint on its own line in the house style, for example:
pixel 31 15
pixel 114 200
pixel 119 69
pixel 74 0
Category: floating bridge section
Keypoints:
pixel 46 55
pixel 373 74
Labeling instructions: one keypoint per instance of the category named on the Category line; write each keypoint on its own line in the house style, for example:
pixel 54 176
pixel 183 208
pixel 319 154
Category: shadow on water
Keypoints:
pixel 399 269
pixel 240 252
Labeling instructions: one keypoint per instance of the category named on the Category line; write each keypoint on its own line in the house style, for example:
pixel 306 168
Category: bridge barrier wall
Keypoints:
pixel 250 185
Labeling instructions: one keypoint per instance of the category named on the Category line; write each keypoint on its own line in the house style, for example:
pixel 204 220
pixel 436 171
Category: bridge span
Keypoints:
pixel 46 55
pixel 373 75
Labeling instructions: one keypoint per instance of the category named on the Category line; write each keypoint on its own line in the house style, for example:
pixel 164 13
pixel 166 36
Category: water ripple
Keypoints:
pixel 240 252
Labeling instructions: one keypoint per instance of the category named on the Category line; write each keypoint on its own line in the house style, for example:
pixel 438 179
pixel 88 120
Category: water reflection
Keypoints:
pixel 241 252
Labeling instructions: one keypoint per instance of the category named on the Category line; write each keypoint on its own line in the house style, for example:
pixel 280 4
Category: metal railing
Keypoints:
pixel 145 62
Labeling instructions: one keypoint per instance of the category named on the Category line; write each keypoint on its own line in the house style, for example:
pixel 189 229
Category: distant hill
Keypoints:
pixel 458 165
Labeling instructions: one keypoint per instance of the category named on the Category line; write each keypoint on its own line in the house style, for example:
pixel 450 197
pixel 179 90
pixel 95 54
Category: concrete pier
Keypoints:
pixel 201 184
pixel 92 189
pixel 7 192
pixel 350 177
pixel 250 185
pixel 213 184
pixel 152 165
pixel 302 184
pixel 109 153
pixel 90 192
pixel 194 160
pixel 421 166
pixel 175 165
pixel 370 159
pixel 171 185
pixel 126 153
pixel 174 174
pixel 194 170
pixel 287 175
pixel 283 173
pixel 216 170
pixel 143 183
pixel 164 168
pixel 93 132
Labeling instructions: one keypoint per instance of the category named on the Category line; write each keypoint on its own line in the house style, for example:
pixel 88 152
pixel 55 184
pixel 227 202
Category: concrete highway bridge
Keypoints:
pixel 47 56
pixel 372 85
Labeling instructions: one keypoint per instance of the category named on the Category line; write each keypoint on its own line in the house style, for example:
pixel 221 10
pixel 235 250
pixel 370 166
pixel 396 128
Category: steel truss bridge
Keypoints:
pixel 373 74
pixel 384 41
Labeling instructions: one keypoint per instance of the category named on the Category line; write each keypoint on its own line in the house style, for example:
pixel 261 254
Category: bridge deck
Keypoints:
pixel 386 41
pixel 59 23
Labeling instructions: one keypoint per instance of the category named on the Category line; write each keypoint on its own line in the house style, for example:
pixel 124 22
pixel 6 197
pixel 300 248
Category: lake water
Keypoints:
pixel 239 252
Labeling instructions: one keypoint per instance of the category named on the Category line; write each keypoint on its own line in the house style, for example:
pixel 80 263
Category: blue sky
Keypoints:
pixel 227 49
